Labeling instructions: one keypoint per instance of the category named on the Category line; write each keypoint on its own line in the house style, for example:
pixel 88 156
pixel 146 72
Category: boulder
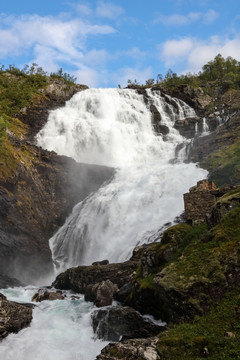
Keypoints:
pixel 122 323
pixel 101 294
pixel 13 316
pixel 47 295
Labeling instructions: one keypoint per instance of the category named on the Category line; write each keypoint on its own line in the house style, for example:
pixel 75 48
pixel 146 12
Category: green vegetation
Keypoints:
pixel 215 336
pixel 224 164
pixel 19 88
pixel 218 72
pixel 192 265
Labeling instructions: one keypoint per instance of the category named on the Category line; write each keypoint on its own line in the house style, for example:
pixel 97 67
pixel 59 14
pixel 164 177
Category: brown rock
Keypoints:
pixel 101 293
pixel 13 316
pixel 47 295
pixel 144 349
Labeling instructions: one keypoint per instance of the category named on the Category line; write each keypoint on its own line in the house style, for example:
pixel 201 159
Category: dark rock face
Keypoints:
pixel 38 201
pixel 6 281
pixel 47 295
pixel 122 322
pixel 187 127
pixel 136 349
pixel 13 316
pixel 82 278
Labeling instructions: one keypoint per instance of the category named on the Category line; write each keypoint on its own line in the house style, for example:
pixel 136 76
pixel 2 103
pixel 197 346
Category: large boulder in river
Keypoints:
pixel 13 316
pixel 47 295
pixel 116 323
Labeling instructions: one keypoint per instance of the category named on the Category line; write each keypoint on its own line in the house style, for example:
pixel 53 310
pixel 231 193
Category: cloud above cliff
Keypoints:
pixel 105 42
pixel 194 53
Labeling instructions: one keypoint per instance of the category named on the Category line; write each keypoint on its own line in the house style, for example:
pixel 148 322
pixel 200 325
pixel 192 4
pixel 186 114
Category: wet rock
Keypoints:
pixel 187 127
pixel 78 278
pixel 103 262
pixel 101 294
pixel 122 323
pixel 144 349
pixel 13 316
pixel 47 295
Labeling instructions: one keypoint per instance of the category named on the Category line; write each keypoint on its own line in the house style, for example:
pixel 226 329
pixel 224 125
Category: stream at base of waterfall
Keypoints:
pixel 111 127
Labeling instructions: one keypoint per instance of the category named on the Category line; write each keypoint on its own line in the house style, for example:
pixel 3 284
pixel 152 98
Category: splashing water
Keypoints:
pixel 113 127
pixel 60 329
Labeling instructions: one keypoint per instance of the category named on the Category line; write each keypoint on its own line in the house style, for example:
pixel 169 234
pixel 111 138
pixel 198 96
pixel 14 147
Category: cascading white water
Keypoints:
pixel 109 127
pixel 113 127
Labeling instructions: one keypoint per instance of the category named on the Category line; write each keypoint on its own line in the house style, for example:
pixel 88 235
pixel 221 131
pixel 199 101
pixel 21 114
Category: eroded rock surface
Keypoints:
pixel 13 316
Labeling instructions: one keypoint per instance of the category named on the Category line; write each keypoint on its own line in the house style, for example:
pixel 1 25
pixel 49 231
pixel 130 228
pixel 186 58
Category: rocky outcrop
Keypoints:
pixel 37 200
pixel 99 283
pixel 199 202
pixel 118 323
pixel 54 95
pixel 144 349
pixel 47 295
pixel 13 316
pixel 217 152
pixel 38 189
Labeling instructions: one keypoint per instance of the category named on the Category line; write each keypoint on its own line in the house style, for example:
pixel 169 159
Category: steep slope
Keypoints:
pixel 37 188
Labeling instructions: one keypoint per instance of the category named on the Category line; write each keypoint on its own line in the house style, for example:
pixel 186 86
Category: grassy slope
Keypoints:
pixel 203 257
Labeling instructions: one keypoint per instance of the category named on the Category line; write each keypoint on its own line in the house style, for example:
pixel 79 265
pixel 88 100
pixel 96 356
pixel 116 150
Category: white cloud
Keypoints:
pixel 96 57
pixel 108 10
pixel 86 75
pixel 180 20
pixel 194 53
pixel 172 50
pixel 67 37
pixel 141 75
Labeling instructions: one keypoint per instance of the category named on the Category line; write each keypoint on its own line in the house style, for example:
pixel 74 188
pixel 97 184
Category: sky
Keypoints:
pixel 106 42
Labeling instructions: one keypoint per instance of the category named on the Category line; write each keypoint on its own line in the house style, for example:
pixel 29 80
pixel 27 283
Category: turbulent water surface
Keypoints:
pixel 110 127
pixel 60 330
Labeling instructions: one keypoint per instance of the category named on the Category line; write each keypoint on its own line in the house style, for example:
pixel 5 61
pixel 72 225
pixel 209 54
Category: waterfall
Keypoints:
pixel 205 128
pixel 113 127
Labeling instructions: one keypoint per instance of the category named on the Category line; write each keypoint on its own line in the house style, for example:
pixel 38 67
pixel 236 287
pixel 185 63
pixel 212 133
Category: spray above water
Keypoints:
pixel 114 127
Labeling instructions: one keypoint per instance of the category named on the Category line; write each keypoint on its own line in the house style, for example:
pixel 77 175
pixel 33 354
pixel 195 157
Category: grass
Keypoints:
pixel 217 333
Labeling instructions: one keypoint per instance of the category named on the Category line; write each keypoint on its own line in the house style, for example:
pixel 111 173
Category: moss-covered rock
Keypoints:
pixel 192 268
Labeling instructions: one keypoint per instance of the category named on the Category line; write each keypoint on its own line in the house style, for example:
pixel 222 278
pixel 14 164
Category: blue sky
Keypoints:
pixel 106 42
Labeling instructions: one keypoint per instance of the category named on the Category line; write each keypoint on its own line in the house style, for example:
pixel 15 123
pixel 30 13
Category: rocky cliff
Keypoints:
pixel 37 188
